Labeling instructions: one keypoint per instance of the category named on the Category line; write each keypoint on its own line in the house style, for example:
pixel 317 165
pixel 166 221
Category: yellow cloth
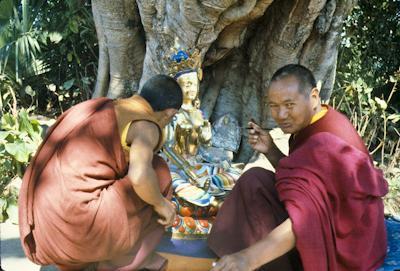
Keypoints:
pixel 124 134
pixel 133 109
pixel 320 114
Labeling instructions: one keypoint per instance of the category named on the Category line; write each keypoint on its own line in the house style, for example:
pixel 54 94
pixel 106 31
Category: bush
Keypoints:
pixel 19 139
pixel 377 120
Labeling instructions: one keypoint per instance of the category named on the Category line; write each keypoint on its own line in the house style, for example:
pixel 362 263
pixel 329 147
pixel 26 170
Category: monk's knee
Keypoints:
pixel 256 178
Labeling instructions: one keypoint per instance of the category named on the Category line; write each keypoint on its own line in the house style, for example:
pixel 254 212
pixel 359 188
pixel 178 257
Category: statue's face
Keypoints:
pixel 189 84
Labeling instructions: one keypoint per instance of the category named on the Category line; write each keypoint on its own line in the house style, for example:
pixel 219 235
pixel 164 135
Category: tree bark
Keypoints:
pixel 242 43
pixel 121 47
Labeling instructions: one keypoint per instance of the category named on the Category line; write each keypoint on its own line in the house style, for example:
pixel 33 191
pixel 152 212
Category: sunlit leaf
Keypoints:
pixel 12 212
pixel 55 37
pixel 8 122
pixel 29 91
pixel 4 135
pixel 394 118
pixel 52 87
pixel 19 150
pixel 382 104
pixel 3 208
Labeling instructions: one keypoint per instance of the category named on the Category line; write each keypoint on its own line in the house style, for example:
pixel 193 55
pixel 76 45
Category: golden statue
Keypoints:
pixel 189 127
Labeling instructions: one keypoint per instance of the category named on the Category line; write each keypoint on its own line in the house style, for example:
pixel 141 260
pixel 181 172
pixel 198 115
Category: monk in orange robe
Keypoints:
pixel 322 209
pixel 95 196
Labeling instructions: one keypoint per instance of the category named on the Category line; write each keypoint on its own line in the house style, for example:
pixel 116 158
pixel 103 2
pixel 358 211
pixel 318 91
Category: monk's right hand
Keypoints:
pixel 259 139
pixel 166 211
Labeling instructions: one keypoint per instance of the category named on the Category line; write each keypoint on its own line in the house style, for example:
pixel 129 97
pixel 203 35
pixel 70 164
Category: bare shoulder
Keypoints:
pixel 144 132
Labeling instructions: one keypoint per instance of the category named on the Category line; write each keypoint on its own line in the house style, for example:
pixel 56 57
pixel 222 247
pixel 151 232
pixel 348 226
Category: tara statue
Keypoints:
pixel 189 128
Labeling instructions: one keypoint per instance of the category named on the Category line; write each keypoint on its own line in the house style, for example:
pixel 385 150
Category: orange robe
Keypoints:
pixel 76 204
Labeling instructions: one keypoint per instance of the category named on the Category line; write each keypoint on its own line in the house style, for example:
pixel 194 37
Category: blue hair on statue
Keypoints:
pixel 179 56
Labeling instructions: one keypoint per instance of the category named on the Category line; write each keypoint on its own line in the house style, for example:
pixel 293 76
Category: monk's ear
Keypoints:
pixel 314 96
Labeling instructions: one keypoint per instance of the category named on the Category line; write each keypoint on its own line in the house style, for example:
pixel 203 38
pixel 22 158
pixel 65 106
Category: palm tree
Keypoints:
pixel 20 38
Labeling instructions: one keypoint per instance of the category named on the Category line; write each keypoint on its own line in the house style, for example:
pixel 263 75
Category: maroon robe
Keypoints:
pixel 76 204
pixel 332 194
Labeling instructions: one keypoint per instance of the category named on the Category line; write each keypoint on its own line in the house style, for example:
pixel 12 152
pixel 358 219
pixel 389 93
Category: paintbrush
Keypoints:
pixel 253 121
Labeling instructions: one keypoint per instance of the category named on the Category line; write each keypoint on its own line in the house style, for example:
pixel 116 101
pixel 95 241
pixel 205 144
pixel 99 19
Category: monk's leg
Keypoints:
pixel 142 256
pixel 250 212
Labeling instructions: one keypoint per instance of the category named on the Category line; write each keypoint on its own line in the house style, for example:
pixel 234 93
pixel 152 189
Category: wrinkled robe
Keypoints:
pixel 76 204
pixel 329 189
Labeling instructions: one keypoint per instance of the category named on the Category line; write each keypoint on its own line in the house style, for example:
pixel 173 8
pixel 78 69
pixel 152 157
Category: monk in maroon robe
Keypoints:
pixel 322 210
pixel 95 195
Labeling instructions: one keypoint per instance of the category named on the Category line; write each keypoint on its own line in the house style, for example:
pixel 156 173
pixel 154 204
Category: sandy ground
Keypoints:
pixel 12 257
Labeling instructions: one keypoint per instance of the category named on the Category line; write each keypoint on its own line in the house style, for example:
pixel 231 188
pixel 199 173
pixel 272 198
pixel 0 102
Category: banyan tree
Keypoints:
pixel 241 43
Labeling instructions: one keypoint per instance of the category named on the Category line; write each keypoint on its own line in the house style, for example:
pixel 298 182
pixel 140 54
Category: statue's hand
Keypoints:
pixel 205 133
pixel 196 118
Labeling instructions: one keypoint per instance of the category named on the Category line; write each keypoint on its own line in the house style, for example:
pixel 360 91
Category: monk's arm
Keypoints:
pixel 274 154
pixel 141 173
pixel 278 242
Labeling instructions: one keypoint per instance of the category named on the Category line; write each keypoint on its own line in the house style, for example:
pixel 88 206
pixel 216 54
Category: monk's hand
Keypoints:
pixel 233 262
pixel 259 139
pixel 166 210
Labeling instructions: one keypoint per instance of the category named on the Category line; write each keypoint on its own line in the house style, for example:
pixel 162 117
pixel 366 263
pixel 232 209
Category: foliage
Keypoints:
pixel 71 57
pixel 377 120
pixel 19 39
pixel 366 87
pixel 19 139
pixel 370 46
pixel 47 52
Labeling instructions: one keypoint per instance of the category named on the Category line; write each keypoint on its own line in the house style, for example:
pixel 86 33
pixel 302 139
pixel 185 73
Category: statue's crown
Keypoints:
pixel 181 62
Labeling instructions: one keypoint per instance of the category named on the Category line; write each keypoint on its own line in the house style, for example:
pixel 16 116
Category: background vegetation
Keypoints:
pixel 48 62
pixel 367 85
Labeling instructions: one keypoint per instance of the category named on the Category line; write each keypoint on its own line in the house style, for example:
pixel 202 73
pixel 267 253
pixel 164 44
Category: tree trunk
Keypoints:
pixel 242 43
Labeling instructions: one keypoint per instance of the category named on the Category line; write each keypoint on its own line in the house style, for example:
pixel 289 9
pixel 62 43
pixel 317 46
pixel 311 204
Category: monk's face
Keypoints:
pixel 291 108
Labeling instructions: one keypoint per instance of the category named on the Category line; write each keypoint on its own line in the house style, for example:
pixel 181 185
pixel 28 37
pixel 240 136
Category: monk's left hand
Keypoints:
pixel 233 262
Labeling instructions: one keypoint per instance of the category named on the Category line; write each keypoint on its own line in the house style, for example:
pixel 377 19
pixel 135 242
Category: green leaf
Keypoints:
pixel 3 208
pixel 394 117
pixel 4 135
pixel 69 57
pixel 68 84
pixel 24 123
pixel 74 26
pixel 8 122
pixel 19 150
pixel 382 104
pixel 29 91
pixel 12 212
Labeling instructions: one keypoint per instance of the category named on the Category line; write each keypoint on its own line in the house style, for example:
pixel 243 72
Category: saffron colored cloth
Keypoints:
pixel 76 204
